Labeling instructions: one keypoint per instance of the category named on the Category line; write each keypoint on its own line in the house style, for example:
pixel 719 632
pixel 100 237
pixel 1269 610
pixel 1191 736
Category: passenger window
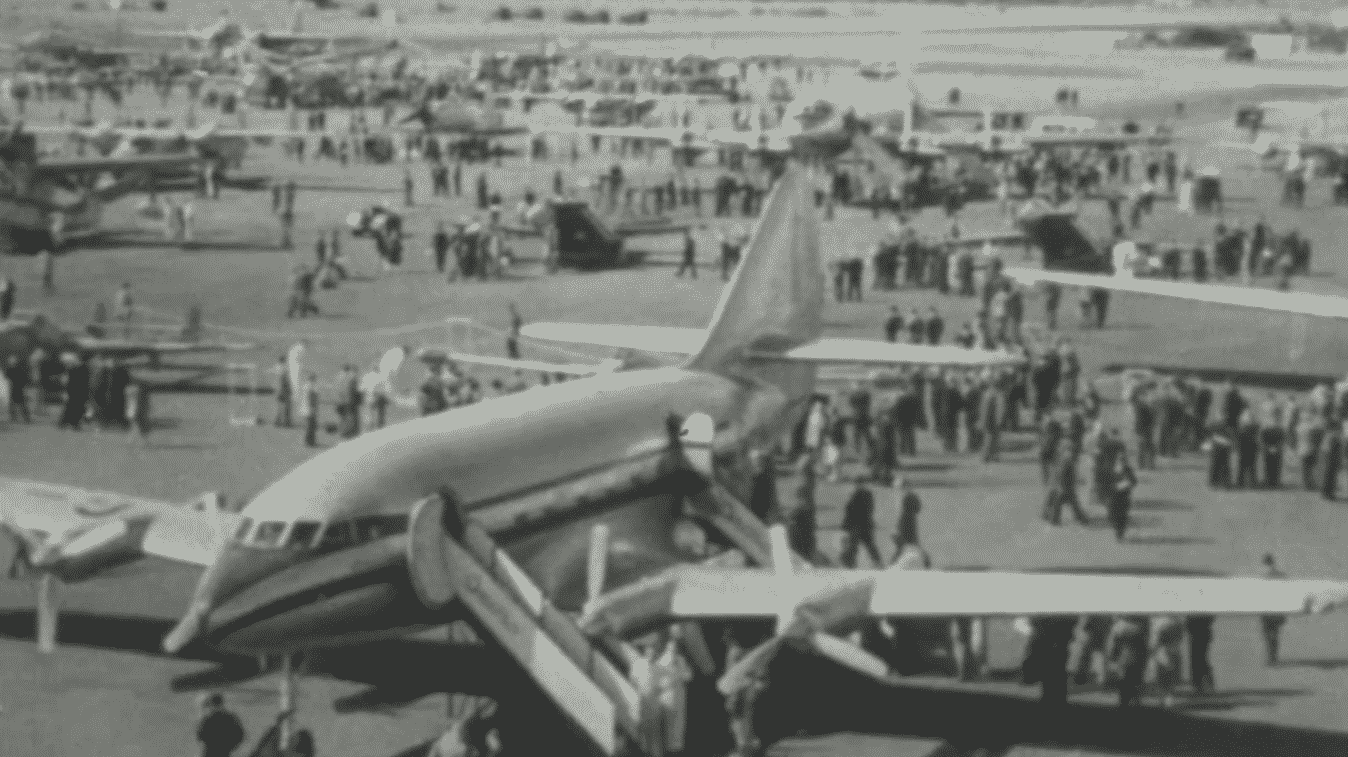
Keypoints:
pixel 336 536
pixel 245 526
pixel 379 526
pixel 269 534
pixel 302 535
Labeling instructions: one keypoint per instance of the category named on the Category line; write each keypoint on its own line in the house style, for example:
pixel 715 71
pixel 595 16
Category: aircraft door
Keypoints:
pixel 433 521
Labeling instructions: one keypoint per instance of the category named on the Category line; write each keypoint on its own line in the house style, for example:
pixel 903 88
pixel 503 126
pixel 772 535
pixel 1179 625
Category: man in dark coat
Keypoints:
pixel 858 527
pixel 76 392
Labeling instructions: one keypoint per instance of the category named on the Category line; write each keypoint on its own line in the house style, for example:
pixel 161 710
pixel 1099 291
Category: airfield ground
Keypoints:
pixel 88 700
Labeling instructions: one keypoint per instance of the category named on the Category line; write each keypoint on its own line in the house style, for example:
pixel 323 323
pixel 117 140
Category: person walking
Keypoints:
pixel 1271 625
pixel 1128 657
pixel 1122 481
pixel 1199 630
pixel 285 394
pixel 308 396
pixel 689 262
pixel 858 527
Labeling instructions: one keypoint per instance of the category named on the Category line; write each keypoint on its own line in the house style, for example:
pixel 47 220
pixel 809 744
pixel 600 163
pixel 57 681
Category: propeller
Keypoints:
pixel 800 625
pixel 596 565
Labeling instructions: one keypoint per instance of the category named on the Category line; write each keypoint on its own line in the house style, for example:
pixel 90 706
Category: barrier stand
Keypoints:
pixel 241 384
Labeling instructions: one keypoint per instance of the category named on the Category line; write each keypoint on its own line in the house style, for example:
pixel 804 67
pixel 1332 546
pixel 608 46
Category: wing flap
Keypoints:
pixel 673 339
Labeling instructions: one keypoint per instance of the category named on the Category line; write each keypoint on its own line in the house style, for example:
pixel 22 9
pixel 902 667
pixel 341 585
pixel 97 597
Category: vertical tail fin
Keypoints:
pixel 297 17
pixel 775 298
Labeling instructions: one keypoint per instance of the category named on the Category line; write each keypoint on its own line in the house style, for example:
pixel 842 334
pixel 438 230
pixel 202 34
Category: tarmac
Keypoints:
pixel 108 692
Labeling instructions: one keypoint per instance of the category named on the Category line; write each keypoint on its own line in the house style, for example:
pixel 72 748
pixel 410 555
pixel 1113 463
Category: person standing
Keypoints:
pixel 1218 446
pixel 859 527
pixel 349 404
pixel 218 730
pixel 308 396
pixel 7 296
pixel 1199 628
pixel 1094 647
pixel 1128 657
pixel 909 507
pixel 893 324
pixel 513 337
pixel 440 247
pixel 124 307
pixel 1121 485
pixel 285 394
pixel 46 269
pixel 76 392
pixel 1272 439
pixel 1271 625
pixel 1247 451
pixel 672 676
pixel 935 326
pixel 1063 486
pixel 137 402
pixel 17 378
pixel 1168 640
pixel 689 263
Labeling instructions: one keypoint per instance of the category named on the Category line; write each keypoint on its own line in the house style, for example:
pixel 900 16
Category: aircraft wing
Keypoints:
pixel 82 165
pixel 571 369
pixel 1325 306
pixel 131 348
pixel 1096 140
pixel 825 350
pixel 76 533
pixel 838 599
pixel 656 134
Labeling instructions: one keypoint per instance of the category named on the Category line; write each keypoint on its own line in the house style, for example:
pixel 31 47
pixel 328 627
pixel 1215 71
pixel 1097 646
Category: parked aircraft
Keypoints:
pixel 46 203
pixel 363 540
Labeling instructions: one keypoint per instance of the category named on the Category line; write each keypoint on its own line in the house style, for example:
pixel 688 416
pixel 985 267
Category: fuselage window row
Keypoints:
pixel 308 534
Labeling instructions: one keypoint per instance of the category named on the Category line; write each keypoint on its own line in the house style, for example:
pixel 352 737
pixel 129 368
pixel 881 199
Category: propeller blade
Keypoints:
pixel 48 611
pixel 849 655
pixel 597 565
pixel 750 667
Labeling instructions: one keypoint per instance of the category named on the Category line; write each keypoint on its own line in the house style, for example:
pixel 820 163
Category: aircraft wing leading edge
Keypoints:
pixel 1303 303
pixel 847 597
pixel 688 341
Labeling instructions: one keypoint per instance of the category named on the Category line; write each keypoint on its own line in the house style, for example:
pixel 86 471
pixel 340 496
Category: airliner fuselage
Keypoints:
pixel 321 556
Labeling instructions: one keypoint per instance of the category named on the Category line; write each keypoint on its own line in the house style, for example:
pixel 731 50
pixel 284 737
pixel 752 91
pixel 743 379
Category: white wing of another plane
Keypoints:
pixel 688 341
pixel 66 534
pixel 1325 306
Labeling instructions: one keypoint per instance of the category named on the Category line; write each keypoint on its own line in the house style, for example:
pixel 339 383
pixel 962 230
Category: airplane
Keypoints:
pixel 226 146
pixel 455 115
pixel 56 47
pixel 47 203
pixel 19 337
pixel 228 38
pixel 582 485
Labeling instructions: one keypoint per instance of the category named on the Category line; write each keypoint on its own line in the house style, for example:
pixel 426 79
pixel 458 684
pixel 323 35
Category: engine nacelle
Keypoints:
pixel 84 554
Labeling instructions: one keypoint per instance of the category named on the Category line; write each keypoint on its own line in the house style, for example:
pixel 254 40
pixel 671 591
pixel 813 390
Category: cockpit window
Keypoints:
pixel 302 534
pixel 269 534
pixel 245 526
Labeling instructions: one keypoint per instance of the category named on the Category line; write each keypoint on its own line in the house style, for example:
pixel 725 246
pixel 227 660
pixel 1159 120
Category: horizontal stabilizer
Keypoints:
pixel 646 338
pixel 571 369
pixel 1301 303
pixel 886 353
